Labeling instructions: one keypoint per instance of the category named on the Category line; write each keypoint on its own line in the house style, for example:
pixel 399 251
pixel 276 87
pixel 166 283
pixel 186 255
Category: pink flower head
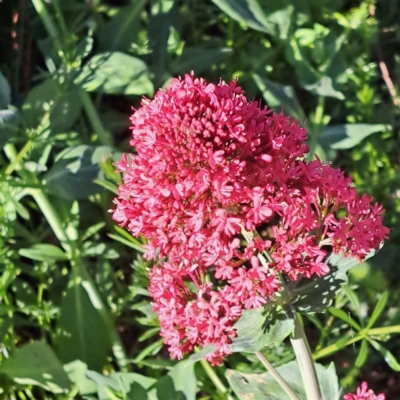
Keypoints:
pixel 363 393
pixel 208 166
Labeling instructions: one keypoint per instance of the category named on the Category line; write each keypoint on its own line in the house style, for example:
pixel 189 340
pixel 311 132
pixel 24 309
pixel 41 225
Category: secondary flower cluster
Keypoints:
pixel 212 169
pixel 363 393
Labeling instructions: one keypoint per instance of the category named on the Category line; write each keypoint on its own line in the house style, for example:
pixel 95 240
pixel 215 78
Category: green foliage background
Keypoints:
pixel 75 317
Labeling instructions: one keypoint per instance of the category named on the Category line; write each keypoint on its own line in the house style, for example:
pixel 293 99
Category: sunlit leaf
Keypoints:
pixel 341 137
pixel 36 364
pixel 115 73
pixel 44 252
pixel 265 387
pixel 380 306
pixel 259 328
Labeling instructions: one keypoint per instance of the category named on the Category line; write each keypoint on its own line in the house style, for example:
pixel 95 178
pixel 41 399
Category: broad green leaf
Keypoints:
pixel 83 334
pixel 8 122
pixel 317 293
pixel 73 175
pixel 122 29
pixel 324 87
pixel 341 137
pixel 76 371
pixel 130 385
pixel 115 73
pixel 62 104
pixel 36 364
pixel 280 98
pixel 179 383
pixel 380 306
pixel 259 328
pixel 265 387
pixel 199 59
pixel 44 252
pixel 5 92
pixel 250 13
pixel 387 355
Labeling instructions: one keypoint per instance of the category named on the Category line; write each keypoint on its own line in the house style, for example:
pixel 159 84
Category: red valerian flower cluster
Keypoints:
pixel 210 169
pixel 363 393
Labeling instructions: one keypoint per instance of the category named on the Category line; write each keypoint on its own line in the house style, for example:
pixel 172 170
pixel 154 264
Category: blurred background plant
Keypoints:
pixel 75 316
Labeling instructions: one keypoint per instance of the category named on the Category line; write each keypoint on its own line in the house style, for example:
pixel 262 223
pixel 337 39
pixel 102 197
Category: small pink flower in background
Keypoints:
pixel 363 393
pixel 209 164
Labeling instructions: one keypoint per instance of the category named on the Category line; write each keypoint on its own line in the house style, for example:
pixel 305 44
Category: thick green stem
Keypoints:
pixel 214 378
pixel 276 376
pixel 306 364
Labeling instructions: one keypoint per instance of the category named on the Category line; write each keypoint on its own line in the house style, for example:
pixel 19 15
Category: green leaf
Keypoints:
pixel 83 332
pixel 62 103
pixel 122 29
pixel 340 137
pixel 380 306
pixel 317 293
pixel 8 122
pixel 115 73
pixel 199 59
pixel 75 171
pixel 259 328
pixel 76 371
pixel 158 33
pixel 337 312
pixel 280 98
pixel 362 355
pixel 179 383
pixel 252 15
pixel 36 364
pixel 265 387
pixel 133 385
pixel 198 355
pixel 324 87
pixel 5 92
pixel 43 252
pixel 387 355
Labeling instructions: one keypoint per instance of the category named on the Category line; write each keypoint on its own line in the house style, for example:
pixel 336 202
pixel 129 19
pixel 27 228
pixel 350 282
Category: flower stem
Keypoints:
pixel 277 377
pixel 214 378
pixel 306 364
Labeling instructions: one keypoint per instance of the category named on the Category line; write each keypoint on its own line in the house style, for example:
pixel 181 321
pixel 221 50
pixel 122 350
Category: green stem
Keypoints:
pixel 79 268
pixel 214 378
pixel 60 19
pixel 276 376
pixel 333 348
pixel 384 330
pixel 304 359
pixel 90 109
pixel 316 126
pixel 19 157
pixel 47 22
